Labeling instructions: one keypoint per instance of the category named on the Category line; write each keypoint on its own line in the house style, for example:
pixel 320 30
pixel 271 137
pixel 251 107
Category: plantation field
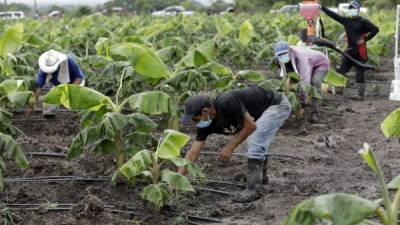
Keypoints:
pixel 142 69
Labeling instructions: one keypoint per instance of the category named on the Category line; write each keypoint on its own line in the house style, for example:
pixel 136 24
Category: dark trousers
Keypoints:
pixel 346 64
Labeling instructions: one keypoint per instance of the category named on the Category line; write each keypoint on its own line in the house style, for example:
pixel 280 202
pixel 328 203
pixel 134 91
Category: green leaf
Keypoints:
pixel 391 125
pixel 85 137
pixel 294 101
pixel 176 181
pixel 217 68
pixel 11 39
pixel 76 97
pixel 223 26
pixel 112 124
pixel 246 33
pixel 155 194
pixel 395 183
pixel 141 122
pixel 202 54
pixel 103 47
pixel 194 170
pixel 150 102
pixel 272 84
pixel 143 59
pixel 340 209
pixel 250 75
pixel 171 144
pixel 20 99
pixel 369 158
pixel 10 149
pixel 335 79
pixel 136 165
pixel 179 162
pixel 11 86
pixel 105 147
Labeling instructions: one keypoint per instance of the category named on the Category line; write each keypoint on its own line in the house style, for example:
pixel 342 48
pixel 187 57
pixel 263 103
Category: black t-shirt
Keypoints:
pixel 355 27
pixel 231 106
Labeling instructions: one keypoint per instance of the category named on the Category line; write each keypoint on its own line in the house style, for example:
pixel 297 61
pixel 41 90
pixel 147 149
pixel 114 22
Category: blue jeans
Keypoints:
pixel 267 126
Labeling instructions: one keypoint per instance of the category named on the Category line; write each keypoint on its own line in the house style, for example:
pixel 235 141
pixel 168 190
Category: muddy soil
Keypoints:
pixel 328 162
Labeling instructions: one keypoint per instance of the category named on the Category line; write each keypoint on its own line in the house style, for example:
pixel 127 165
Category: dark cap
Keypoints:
pixel 193 107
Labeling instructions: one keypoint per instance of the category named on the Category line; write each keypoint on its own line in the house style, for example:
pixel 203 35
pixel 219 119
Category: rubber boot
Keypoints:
pixel 265 170
pixel 254 182
pixel 315 113
pixel 361 90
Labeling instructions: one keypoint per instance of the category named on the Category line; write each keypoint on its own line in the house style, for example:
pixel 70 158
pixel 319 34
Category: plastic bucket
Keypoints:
pixel 309 10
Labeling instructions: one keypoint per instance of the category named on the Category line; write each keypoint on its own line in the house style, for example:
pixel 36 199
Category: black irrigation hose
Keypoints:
pixel 215 191
pixel 88 179
pixel 55 179
pixel 201 153
pixel 51 154
pixel 245 155
pixel 68 207
pixel 225 183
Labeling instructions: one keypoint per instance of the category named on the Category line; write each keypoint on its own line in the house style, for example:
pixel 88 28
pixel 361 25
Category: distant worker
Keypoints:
pixel 56 68
pixel 311 66
pixel 253 114
pixel 359 31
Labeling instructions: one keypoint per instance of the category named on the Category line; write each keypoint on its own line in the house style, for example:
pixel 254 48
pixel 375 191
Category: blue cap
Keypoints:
pixel 281 47
pixel 355 4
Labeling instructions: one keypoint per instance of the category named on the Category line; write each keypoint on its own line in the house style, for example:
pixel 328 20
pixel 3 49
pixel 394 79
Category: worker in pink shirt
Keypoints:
pixel 311 66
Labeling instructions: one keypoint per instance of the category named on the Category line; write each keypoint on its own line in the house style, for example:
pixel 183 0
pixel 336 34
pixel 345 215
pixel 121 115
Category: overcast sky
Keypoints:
pixel 82 2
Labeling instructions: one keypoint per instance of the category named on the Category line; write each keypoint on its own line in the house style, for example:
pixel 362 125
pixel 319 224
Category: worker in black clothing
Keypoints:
pixel 359 31
pixel 253 114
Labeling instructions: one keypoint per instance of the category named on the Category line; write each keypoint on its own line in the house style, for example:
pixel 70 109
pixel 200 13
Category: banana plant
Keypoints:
pixel 10 42
pixel 147 166
pixel 347 209
pixel 13 93
pixel 107 130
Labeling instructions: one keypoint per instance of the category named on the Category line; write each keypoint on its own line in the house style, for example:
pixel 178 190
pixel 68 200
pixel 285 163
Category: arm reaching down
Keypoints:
pixel 192 154
pixel 249 126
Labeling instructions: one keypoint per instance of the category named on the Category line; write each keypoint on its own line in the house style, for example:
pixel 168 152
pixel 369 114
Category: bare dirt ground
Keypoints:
pixel 328 162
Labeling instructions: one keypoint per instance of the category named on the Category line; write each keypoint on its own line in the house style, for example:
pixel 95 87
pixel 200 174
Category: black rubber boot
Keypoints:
pixel 361 90
pixel 265 170
pixel 254 182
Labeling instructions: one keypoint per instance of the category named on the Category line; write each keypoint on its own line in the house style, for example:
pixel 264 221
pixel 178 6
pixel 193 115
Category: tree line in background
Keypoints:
pixel 147 6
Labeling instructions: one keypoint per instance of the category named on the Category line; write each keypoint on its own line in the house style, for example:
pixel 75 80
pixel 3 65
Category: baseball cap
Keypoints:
pixel 193 107
pixel 281 47
pixel 355 5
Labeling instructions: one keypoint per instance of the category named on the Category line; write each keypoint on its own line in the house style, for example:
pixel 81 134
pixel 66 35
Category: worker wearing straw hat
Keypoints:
pixel 56 68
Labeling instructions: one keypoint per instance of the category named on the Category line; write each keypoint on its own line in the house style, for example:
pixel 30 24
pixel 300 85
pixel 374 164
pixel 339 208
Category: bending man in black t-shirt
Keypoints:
pixel 252 113
pixel 359 31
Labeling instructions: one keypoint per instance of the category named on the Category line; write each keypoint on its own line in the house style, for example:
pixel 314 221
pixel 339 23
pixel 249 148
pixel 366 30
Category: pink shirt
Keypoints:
pixel 307 61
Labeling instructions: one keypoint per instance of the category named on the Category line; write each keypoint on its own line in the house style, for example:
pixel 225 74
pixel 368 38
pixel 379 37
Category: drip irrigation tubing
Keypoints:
pixel 55 179
pixel 51 154
pixel 245 155
pixel 111 208
pixel 86 179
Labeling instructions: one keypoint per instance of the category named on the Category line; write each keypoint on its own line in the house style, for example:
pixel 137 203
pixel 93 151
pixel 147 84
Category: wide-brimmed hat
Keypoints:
pixel 50 60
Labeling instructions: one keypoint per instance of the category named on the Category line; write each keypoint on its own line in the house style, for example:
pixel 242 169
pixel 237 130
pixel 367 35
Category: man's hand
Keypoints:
pixel 361 41
pixel 30 111
pixel 300 114
pixel 226 154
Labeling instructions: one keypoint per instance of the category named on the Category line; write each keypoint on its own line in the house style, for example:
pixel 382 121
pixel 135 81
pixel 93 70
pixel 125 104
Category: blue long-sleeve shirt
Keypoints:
pixel 74 73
